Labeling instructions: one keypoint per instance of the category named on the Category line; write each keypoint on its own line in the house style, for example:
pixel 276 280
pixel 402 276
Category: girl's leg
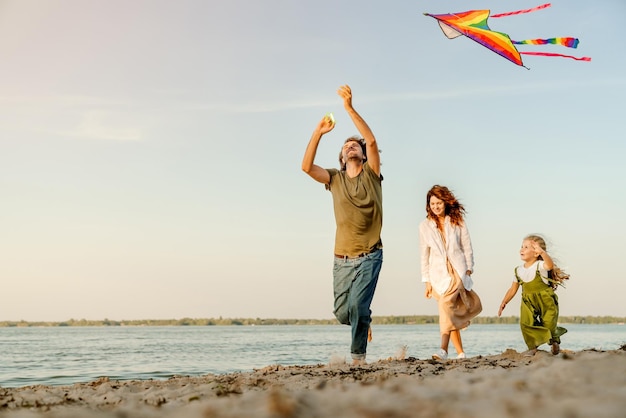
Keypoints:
pixel 550 318
pixel 530 352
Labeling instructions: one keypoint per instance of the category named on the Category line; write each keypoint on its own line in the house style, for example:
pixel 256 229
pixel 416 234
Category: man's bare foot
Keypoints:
pixel 369 335
pixel 359 362
pixel 556 349
pixel 529 353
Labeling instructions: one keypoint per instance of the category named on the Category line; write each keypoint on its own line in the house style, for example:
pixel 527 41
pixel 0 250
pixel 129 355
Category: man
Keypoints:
pixel 357 200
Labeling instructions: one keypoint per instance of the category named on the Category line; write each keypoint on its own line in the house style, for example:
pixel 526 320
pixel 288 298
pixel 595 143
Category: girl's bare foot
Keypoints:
pixel 556 349
pixel 529 353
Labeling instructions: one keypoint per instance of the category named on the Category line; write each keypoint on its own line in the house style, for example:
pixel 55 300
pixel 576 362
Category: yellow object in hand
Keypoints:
pixel 330 117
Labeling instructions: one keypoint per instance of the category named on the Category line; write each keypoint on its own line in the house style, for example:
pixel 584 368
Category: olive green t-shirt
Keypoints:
pixel 358 204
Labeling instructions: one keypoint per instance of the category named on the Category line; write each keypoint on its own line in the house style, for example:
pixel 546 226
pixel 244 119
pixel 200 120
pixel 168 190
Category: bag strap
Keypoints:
pixel 517 277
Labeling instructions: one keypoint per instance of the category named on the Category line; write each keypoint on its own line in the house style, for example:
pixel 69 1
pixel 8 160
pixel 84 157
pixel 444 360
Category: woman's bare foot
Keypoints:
pixel 359 362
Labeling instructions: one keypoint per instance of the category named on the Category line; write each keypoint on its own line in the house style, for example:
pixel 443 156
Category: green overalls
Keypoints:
pixel 539 312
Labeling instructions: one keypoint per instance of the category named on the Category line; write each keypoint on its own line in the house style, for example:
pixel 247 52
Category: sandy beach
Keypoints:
pixel 589 383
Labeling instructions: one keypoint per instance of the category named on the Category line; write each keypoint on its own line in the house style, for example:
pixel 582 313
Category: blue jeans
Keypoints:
pixel 354 282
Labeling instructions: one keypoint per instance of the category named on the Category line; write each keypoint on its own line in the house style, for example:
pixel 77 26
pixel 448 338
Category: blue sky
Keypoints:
pixel 150 152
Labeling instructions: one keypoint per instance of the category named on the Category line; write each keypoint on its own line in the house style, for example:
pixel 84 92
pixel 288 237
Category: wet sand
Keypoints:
pixel 589 383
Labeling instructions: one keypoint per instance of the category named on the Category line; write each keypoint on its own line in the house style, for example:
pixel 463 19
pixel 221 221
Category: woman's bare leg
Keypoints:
pixel 456 340
pixel 445 341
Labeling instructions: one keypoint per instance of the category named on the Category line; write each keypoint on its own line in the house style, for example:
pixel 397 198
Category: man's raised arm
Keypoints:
pixel 373 156
pixel 315 171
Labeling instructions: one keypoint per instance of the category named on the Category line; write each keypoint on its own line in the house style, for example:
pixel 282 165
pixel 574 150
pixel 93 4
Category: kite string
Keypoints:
pixel 550 54
pixel 518 12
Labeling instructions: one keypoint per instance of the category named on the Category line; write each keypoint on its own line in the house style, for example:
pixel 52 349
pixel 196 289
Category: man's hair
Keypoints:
pixel 361 142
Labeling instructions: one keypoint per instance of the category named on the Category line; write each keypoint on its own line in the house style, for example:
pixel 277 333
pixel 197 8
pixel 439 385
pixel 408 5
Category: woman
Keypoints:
pixel 447 263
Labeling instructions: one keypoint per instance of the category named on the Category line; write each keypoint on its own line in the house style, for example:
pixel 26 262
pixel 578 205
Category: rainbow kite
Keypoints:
pixel 473 24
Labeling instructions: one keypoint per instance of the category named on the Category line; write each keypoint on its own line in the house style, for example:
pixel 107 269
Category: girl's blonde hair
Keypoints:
pixel 556 276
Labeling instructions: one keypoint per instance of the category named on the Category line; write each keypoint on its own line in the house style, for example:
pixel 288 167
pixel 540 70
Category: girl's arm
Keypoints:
pixel 508 296
pixel 548 263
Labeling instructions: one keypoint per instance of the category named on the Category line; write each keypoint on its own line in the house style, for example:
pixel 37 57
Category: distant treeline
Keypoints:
pixel 376 320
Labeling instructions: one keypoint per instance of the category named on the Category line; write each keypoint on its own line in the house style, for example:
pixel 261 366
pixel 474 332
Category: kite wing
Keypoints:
pixel 473 24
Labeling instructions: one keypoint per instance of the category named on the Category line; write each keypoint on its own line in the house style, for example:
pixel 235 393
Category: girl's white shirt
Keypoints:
pixel 458 249
pixel 528 274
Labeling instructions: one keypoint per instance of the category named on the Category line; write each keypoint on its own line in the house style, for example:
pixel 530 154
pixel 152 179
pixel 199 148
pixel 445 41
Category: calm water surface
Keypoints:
pixel 67 355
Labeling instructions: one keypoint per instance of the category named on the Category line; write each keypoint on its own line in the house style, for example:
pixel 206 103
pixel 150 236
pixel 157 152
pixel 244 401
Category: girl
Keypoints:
pixel 538 277
pixel 447 262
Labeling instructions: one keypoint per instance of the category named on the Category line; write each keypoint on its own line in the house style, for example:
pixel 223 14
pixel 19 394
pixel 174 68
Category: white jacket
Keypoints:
pixel 458 250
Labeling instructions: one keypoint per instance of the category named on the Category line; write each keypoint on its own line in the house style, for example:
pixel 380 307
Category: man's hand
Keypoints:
pixel 325 125
pixel 346 94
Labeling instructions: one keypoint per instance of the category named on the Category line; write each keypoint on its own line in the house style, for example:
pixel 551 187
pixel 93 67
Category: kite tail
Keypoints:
pixel 567 42
pixel 550 54
pixel 519 12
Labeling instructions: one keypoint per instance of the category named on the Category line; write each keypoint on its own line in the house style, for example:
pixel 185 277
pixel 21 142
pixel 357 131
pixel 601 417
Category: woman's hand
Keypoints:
pixel 429 290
